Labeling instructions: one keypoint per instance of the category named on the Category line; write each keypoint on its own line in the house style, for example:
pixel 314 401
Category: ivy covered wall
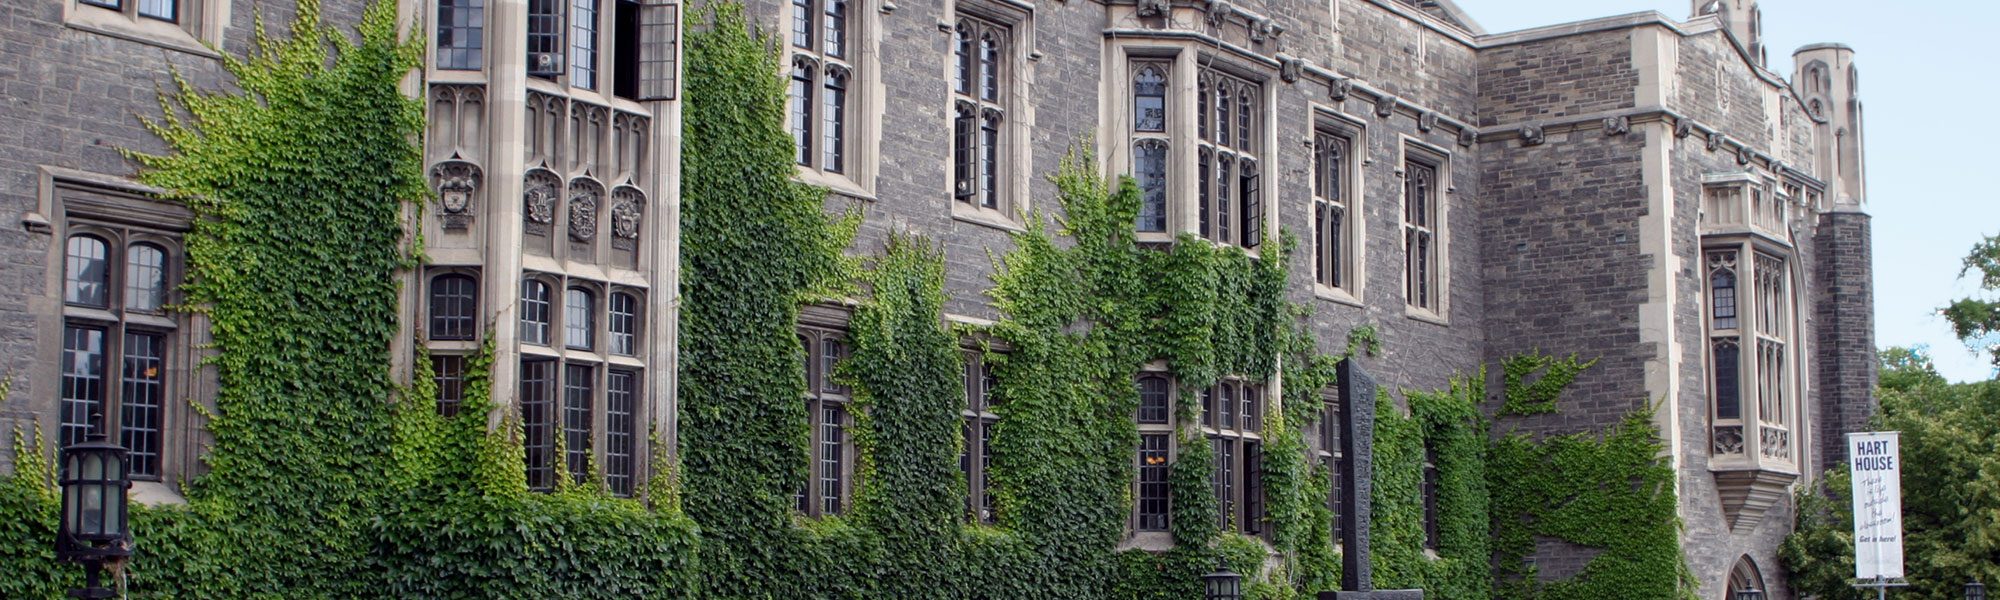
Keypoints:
pixel 323 485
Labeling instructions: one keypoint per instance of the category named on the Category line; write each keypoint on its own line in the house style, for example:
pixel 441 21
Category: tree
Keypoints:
pixel 1951 489
pixel 1976 320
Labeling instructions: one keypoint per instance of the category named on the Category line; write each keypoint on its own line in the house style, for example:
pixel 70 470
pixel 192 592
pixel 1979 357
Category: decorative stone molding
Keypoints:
pixel 1427 121
pixel 584 195
pixel 1714 141
pixel 1153 8
pixel 628 212
pixel 1265 29
pixel 1683 128
pixel 1728 439
pixel 540 189
pixel 1338 87
pixel 457 184
pixel 1468 136
pixel 1618 125
pixel 1742 155
pixel 1385 106
pixel 1532 135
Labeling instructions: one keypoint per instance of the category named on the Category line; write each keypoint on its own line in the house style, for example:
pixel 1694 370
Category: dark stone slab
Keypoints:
pixel 1357 438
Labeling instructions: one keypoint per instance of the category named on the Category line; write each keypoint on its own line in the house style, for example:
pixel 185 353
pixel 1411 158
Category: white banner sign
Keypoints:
pixel 1878 505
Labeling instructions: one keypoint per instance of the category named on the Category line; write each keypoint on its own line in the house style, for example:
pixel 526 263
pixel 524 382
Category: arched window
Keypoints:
pixel 835 118
pixel 85 278
pixel 624 324
pixel 1149 99
pixel 535 311
pixel 579 308
pixel 454 306
pixel 1744 576
pixel 802 109
pixel 145 277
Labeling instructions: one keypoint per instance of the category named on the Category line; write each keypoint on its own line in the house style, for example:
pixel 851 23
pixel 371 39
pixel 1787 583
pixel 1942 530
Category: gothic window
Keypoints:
pixel 538 385
pixel 976 460
pixel 579 322
pixel 1327 447
pixel 1149 157
pixel 461 26
pixel 822 32
pixel 1750 374
pixel 115 341
pixel 1744 576
pixel 1420 235
pixel 454 307
pixel 1238 453
pixel 1149 142
pixel 621 425
pixel 534 311
pixel 1156 434
pixel 825 491
pixel 1229 200
pixel 583 44
pixel 980 66
pixel 624 324
pixel 1153 402
pixel 1332 255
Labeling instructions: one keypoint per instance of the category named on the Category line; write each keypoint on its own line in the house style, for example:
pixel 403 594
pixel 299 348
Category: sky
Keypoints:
pixel 1927 80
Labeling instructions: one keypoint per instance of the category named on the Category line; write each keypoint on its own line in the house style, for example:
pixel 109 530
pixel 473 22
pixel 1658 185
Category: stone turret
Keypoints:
pixel 1742 19
pixel 1828 84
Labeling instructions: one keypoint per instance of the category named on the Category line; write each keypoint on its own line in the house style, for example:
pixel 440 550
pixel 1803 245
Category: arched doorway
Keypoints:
pixel 1745 576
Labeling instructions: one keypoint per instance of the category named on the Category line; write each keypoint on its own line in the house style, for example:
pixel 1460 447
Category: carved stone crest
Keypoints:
pixel 456 183
pixel 583 198
pixel 1291 70
pixel 1427 121
pixel 1683 128
pixel 1153 8
pixel 1619 125
pixel 1337 88
pixel 539 192
pixel 1385 106
pixel 1532 135
pixel 627 213
pixel 1467 137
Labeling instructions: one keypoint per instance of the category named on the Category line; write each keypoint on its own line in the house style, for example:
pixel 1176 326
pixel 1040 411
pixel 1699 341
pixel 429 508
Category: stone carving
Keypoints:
pixel 1729 440
pixel 539 191
pixel 628 206
pixel 1532 135
pixel 456 183
pixel 1683 128
pixel 583 197
pixel 1427 121
pixel 1385 106
pixel 1264 29
pixel 1619 125
pixel 1337 88
pixel 1743 155
pixel 1153 8
pixel 1291 70
pixel 1775 442
pixel 1218 12
pixel 1467 137
pixel 1714 140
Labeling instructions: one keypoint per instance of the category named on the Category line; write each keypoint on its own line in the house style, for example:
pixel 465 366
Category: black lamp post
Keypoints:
pixel 93 528
pixel 1750 594
pixel 1974 590
pixel 1223 584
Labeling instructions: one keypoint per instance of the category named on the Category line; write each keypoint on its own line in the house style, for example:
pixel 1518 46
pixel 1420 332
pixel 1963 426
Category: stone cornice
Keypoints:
pixel 1618 122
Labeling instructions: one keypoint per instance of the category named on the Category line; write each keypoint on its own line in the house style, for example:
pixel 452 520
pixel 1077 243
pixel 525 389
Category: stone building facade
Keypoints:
pixel 1642 189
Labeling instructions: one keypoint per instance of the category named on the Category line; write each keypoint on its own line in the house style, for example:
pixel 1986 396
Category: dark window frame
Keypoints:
pixel 1333 208
pixel 1229 190
pixel 975 461
pixel 830 28
pixel 125 388
pixel 1422 233
pixel 461 35
pixel 451 306
pixel 829 482
pixel 1237 449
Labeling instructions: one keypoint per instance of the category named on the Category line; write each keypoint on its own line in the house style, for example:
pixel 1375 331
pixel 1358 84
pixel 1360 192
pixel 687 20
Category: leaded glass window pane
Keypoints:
pixel 538 440
pixel 1149 99
pixel 454 307
pixel 535 312
pixel 143 397
pixel 579 319
pixel 145 278
pixel 624 324
pixel 583 44
pixel 835 119
pixel 448 371
pixel 621 434
pixel 1150 165
pixel 164 10
pixel 82 383
pixel 1153 494
pixel 461 26
pixel 1153 402
pixel 86 280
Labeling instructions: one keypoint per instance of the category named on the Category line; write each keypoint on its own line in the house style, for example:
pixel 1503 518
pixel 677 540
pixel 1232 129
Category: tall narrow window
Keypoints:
pixel 1330 239
pixel 624 324
pixel 624 46
pixel 802 109
pixel 1149 98
pixel 824 492
pixel 621 430
pixel 538 382
pixel 834 116
pixel 659 50
pixel 461 26
pixel 545 38
pixel 145 278
pixel 454 307
pixel 1231 202
pixel 802 23
pixel 140 400
pixel 1725 341
pixel 836 27
pixel 1153 466
pixel 535 311
pixel 1238 447
pixel 448 371
pixel 86 278
pixel 1420 235
pixel 1149 159
pixel 578 383
pixel 82 383
pixel 1224 480
pixel 579 319
pixel 1330 454
pixel 583 44
pixel 977 459
pixel 1153 403
pixel 1430 497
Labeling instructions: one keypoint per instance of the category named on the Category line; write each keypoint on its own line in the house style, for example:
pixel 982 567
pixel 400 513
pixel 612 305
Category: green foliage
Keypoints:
pixel 1951 488
pixel 1611 492
pixel 1976 319
pixel 1539 396
pixel 28 504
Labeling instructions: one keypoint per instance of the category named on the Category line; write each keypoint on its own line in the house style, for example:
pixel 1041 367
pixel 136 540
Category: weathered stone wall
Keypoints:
pixel 1844 309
